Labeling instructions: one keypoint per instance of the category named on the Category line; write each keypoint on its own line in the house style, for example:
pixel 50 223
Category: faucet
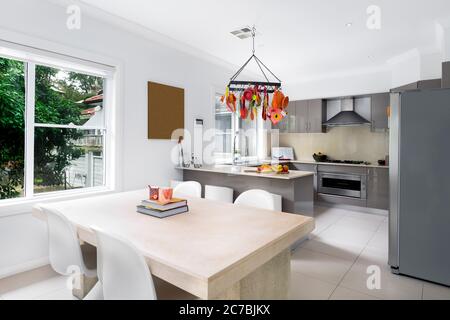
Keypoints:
pixel 237 155
pixel 234 161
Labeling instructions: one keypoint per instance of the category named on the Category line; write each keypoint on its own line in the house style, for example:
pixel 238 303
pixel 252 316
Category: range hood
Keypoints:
pixel 347 116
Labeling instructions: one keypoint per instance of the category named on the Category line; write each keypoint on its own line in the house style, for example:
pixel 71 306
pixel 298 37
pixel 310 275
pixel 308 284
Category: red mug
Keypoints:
pixel 165 195
pixel 154 193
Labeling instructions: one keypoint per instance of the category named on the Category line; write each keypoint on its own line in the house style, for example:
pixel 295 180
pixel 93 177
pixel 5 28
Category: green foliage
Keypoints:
pixel 57 94
pixel 12 138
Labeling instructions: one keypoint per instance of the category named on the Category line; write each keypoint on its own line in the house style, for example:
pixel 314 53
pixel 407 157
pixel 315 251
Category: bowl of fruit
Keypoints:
pixel 265 168
pixel 281 169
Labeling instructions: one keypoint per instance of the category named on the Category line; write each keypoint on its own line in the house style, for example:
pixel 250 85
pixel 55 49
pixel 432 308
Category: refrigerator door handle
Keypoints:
pixel 394 177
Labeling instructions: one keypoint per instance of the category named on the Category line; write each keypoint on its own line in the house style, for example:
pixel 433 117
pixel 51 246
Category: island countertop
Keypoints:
pixel 250 171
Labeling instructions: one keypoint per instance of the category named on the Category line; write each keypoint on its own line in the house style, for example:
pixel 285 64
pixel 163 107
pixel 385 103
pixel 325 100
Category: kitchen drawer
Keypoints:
pixel 342 169
pixel 304 167
pixel 378 188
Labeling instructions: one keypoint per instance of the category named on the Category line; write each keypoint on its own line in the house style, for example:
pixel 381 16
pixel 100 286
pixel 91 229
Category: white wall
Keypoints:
pixel 340 85
pixel 405 68
pixel 22 239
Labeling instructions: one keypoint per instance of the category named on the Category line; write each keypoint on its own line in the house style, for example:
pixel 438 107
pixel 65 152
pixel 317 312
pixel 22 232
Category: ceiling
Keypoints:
pixel 299 39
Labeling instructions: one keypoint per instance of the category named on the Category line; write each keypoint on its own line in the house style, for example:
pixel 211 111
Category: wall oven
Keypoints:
pixel 341 184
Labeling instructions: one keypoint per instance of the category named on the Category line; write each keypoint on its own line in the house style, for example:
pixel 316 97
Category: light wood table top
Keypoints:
pixel 204 251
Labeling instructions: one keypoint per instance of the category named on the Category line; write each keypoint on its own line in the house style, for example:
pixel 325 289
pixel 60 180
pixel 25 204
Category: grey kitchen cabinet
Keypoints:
pixel 304 116
pixel 310 115
pixel 301 115
pixel 378 188
pixel 445 74
pixel 379 111
pixel 289 123
pixel 422 84
pixel 316 115
pixel 310 167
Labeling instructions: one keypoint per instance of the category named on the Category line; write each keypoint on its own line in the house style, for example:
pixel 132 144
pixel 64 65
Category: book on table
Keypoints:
pixel 161 213
pixel 157 205
pixel 162 210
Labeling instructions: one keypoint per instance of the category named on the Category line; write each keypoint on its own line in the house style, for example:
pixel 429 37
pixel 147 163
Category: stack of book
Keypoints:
pixel 163 210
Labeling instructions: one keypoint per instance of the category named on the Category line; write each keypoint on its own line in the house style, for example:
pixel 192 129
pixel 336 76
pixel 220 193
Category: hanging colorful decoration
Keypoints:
pixel 255 95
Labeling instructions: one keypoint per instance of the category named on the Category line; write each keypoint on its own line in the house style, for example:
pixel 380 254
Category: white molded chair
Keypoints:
pixel 188 189
pixel 124 273
pixel 64 248
pixel 259 199
pixel 215 193
pixel 66 254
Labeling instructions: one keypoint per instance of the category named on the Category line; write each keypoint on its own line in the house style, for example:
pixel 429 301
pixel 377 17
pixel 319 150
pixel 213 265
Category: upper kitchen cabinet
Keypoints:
pixel 422 84
pixel 301 115
pixel 289 123
pixel 304 116
pixel 310 115
pixel 316 115
pixel 379 111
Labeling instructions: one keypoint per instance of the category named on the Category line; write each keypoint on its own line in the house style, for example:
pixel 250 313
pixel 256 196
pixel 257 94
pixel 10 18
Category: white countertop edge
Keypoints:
pixel 339 164
pixel 293 174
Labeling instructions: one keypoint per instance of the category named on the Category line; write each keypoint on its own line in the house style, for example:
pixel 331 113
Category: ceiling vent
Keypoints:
pixel 243 33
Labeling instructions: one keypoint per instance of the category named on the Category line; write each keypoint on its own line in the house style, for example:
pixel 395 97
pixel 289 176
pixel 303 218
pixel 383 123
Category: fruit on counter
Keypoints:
pixel 280 168
pixel 265 168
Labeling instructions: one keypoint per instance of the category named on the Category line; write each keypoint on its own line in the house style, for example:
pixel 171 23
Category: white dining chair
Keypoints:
pixel 124 272
pixel 188 189
pixel 174 183
pixel 259 199
pixel 222 194
pixel 66 254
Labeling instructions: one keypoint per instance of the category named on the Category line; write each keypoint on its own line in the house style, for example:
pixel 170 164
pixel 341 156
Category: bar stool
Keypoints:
pixel 222 194
pixel 188 189
pixel 259 199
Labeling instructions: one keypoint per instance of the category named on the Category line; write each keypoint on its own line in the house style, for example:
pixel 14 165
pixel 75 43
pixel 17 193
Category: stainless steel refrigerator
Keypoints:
pixel 419 217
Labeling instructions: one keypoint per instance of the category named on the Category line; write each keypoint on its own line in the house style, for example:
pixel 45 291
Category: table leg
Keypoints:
pixel 86 284
pixel 269 282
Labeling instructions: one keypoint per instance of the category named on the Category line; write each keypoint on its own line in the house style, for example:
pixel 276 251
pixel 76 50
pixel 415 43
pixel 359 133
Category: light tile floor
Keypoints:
pixel 331 265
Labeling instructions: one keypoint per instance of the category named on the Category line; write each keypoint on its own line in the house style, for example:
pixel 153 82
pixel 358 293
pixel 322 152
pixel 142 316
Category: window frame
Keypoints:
pixel 32 57
pixel 259 127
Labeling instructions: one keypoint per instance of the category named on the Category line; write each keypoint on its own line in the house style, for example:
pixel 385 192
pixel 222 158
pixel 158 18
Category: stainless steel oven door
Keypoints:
pixel 346 185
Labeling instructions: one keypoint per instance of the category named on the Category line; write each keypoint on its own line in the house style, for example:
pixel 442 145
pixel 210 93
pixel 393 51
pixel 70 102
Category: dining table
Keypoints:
pixel 216 250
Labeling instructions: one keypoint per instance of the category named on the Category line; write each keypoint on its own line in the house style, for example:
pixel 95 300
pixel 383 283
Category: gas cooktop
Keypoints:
pixel 348 161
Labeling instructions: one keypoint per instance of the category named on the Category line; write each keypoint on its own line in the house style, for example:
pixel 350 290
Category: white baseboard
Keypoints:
pixel 27 266
pixel 353 208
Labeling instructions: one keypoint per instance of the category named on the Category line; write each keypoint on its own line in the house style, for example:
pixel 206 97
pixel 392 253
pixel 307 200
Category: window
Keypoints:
pixel 225 127
pixel 234 134
pixel 52 128
pixel 12 128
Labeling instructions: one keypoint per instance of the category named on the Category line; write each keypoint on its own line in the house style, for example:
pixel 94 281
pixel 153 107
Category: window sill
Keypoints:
pixel 24 205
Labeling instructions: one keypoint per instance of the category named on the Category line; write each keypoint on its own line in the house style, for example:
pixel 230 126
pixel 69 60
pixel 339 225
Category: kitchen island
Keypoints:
pixel 296 187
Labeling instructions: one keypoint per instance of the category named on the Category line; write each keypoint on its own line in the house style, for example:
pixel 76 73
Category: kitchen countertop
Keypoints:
pixel 330 163
pixel 340 164
pixel 245 171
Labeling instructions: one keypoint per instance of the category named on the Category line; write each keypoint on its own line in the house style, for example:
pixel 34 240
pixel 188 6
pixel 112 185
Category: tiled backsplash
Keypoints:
pixel 350 143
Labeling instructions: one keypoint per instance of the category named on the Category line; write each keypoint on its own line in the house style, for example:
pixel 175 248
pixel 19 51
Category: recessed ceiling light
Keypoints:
pixel 349 24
